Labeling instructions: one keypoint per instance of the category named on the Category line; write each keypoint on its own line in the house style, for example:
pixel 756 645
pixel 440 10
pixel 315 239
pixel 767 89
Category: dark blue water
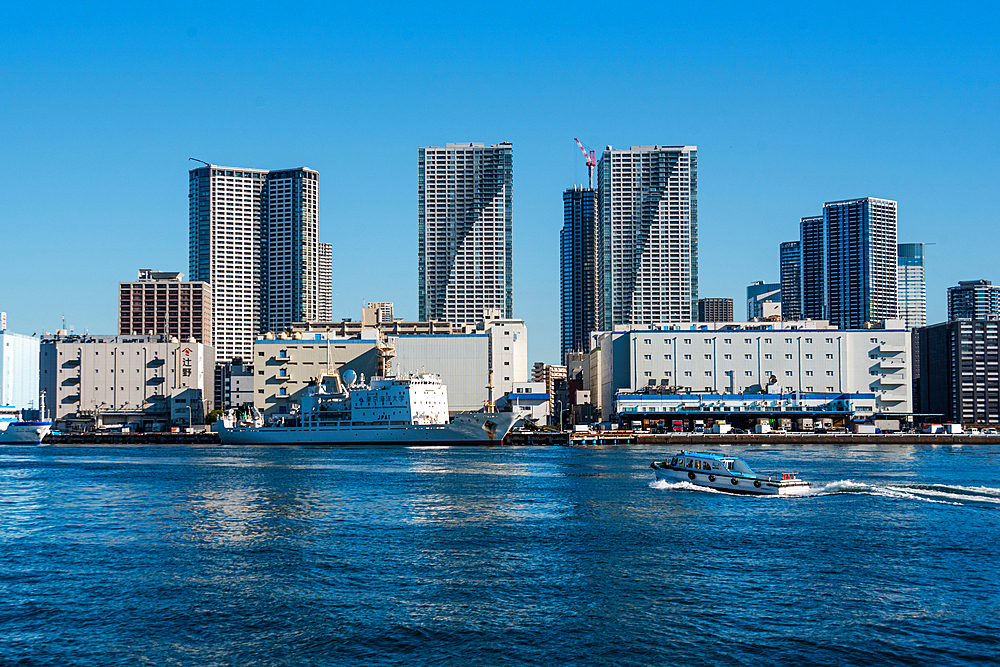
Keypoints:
pixel 297 556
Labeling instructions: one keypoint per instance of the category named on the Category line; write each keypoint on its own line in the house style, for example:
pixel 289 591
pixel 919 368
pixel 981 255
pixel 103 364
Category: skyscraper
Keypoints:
pixel 791 280
pixel 325 282
pixel 253 237
pixel 813 285
pixel 912 288
pixel 974 300
pixel 647 235
pixel 464 231
pixel 578 269
pixel 861 260
pixel 849 262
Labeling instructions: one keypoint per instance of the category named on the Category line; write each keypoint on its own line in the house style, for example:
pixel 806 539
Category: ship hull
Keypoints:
pixel 25 433
pixel 466 429
pixel 738 484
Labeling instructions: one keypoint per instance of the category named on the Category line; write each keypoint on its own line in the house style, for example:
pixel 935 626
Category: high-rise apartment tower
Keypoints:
pixel 849 263
pixel 254 238
pixel 464 231
pixel 974 300
pixel 912 288
pixel 647 235
pixel 578 269
pixel 791 280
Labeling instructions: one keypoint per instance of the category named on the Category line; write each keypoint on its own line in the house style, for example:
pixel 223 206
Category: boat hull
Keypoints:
pixel 744 484
pixel 25 433
pixel 467 429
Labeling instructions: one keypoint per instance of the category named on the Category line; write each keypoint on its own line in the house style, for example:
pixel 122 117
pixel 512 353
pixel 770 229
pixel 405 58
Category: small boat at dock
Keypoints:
pixel 726 473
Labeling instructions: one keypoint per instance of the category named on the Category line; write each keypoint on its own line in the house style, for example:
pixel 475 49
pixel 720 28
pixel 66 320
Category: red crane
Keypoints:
pixel 590 161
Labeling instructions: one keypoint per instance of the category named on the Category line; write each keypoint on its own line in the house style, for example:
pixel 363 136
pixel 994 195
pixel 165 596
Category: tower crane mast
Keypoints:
pixel 591 162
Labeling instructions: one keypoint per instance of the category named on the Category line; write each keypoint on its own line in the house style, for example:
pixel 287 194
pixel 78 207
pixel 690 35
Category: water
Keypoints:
pixel 520 556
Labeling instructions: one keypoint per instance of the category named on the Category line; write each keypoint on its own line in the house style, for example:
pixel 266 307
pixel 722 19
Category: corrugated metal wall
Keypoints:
pixel 462 361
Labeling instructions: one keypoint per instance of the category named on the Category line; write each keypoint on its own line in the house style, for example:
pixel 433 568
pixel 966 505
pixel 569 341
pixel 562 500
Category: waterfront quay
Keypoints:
pixel 687 440
pixel 692 440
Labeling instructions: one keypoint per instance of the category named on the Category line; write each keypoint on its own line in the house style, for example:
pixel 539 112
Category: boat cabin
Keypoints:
pixel 711 463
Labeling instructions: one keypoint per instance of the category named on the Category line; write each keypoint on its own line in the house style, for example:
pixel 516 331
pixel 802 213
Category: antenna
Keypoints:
pixel 202 161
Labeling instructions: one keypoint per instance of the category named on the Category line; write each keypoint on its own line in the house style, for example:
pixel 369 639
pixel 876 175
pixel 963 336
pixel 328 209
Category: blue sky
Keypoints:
pixel 790 106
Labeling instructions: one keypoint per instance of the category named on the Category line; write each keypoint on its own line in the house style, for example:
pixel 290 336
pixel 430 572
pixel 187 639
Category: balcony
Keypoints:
pixel 893 379
pixel 891 348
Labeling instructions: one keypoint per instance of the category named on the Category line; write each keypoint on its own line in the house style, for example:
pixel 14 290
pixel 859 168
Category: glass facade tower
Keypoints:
pixel 578 270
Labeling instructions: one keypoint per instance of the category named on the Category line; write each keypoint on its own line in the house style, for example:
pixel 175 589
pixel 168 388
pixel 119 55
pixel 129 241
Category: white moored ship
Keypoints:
pixel 388 411
pixel 726 473
pixel 15 431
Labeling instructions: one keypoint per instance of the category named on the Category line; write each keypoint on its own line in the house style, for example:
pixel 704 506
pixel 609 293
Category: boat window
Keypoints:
pixel 673 461
pixel 689 464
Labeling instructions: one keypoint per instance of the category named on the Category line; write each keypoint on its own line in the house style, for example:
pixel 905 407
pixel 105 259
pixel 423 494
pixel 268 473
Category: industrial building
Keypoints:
pixel 753 358
pixel 147 382
pixel 477 363
pixel 18 369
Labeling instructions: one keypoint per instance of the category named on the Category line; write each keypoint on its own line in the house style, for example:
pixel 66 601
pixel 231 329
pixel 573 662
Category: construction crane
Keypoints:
pixel 590 161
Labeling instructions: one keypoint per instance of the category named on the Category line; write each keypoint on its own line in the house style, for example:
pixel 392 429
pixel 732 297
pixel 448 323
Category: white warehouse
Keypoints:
pixel 754 358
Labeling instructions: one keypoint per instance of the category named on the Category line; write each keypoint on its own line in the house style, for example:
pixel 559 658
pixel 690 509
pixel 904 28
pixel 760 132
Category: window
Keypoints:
pixel 648 356
pixel 809 340
pixel 809 356
pixel 749 373
pixel 666 373
pixel 809 388
pixel 708 341
pixel 809 373
pixel 788 373
pixel 647 341
pixel 687 373
pixel 874 340
pixel 687 356
pixel 708 356
pixel 687 341
pixel 666 356
pixel 747 341
pixel 829 356
pixel 727 341
pixel 829 388
pixel 829 340
pixel 788 340
pixel 767 340
pixel 748 356
pixel 708 373
pixel 767 356
pixel 648 373
pixel 829 372
pixel 728 356
pixel 788 356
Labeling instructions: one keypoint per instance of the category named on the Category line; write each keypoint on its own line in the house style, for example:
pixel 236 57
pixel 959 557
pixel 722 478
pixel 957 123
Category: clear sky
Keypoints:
pixel 790 105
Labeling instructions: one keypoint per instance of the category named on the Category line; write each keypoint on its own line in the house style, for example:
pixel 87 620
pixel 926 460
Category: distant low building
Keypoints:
pixel 974 300
pixel 529 399
pixel 762 298
pixel 715 310
pixel 159 302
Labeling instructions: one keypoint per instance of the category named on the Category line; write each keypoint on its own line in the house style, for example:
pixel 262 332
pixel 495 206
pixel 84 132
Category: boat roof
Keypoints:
pixel 714 457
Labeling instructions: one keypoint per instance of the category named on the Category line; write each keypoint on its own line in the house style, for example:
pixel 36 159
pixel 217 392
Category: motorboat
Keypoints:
pixel 726 473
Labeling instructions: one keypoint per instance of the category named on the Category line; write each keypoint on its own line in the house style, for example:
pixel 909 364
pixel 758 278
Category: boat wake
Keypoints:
pixel 942 494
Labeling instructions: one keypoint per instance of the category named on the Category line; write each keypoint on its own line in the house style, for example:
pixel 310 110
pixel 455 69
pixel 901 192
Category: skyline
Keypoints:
pixel 789 108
